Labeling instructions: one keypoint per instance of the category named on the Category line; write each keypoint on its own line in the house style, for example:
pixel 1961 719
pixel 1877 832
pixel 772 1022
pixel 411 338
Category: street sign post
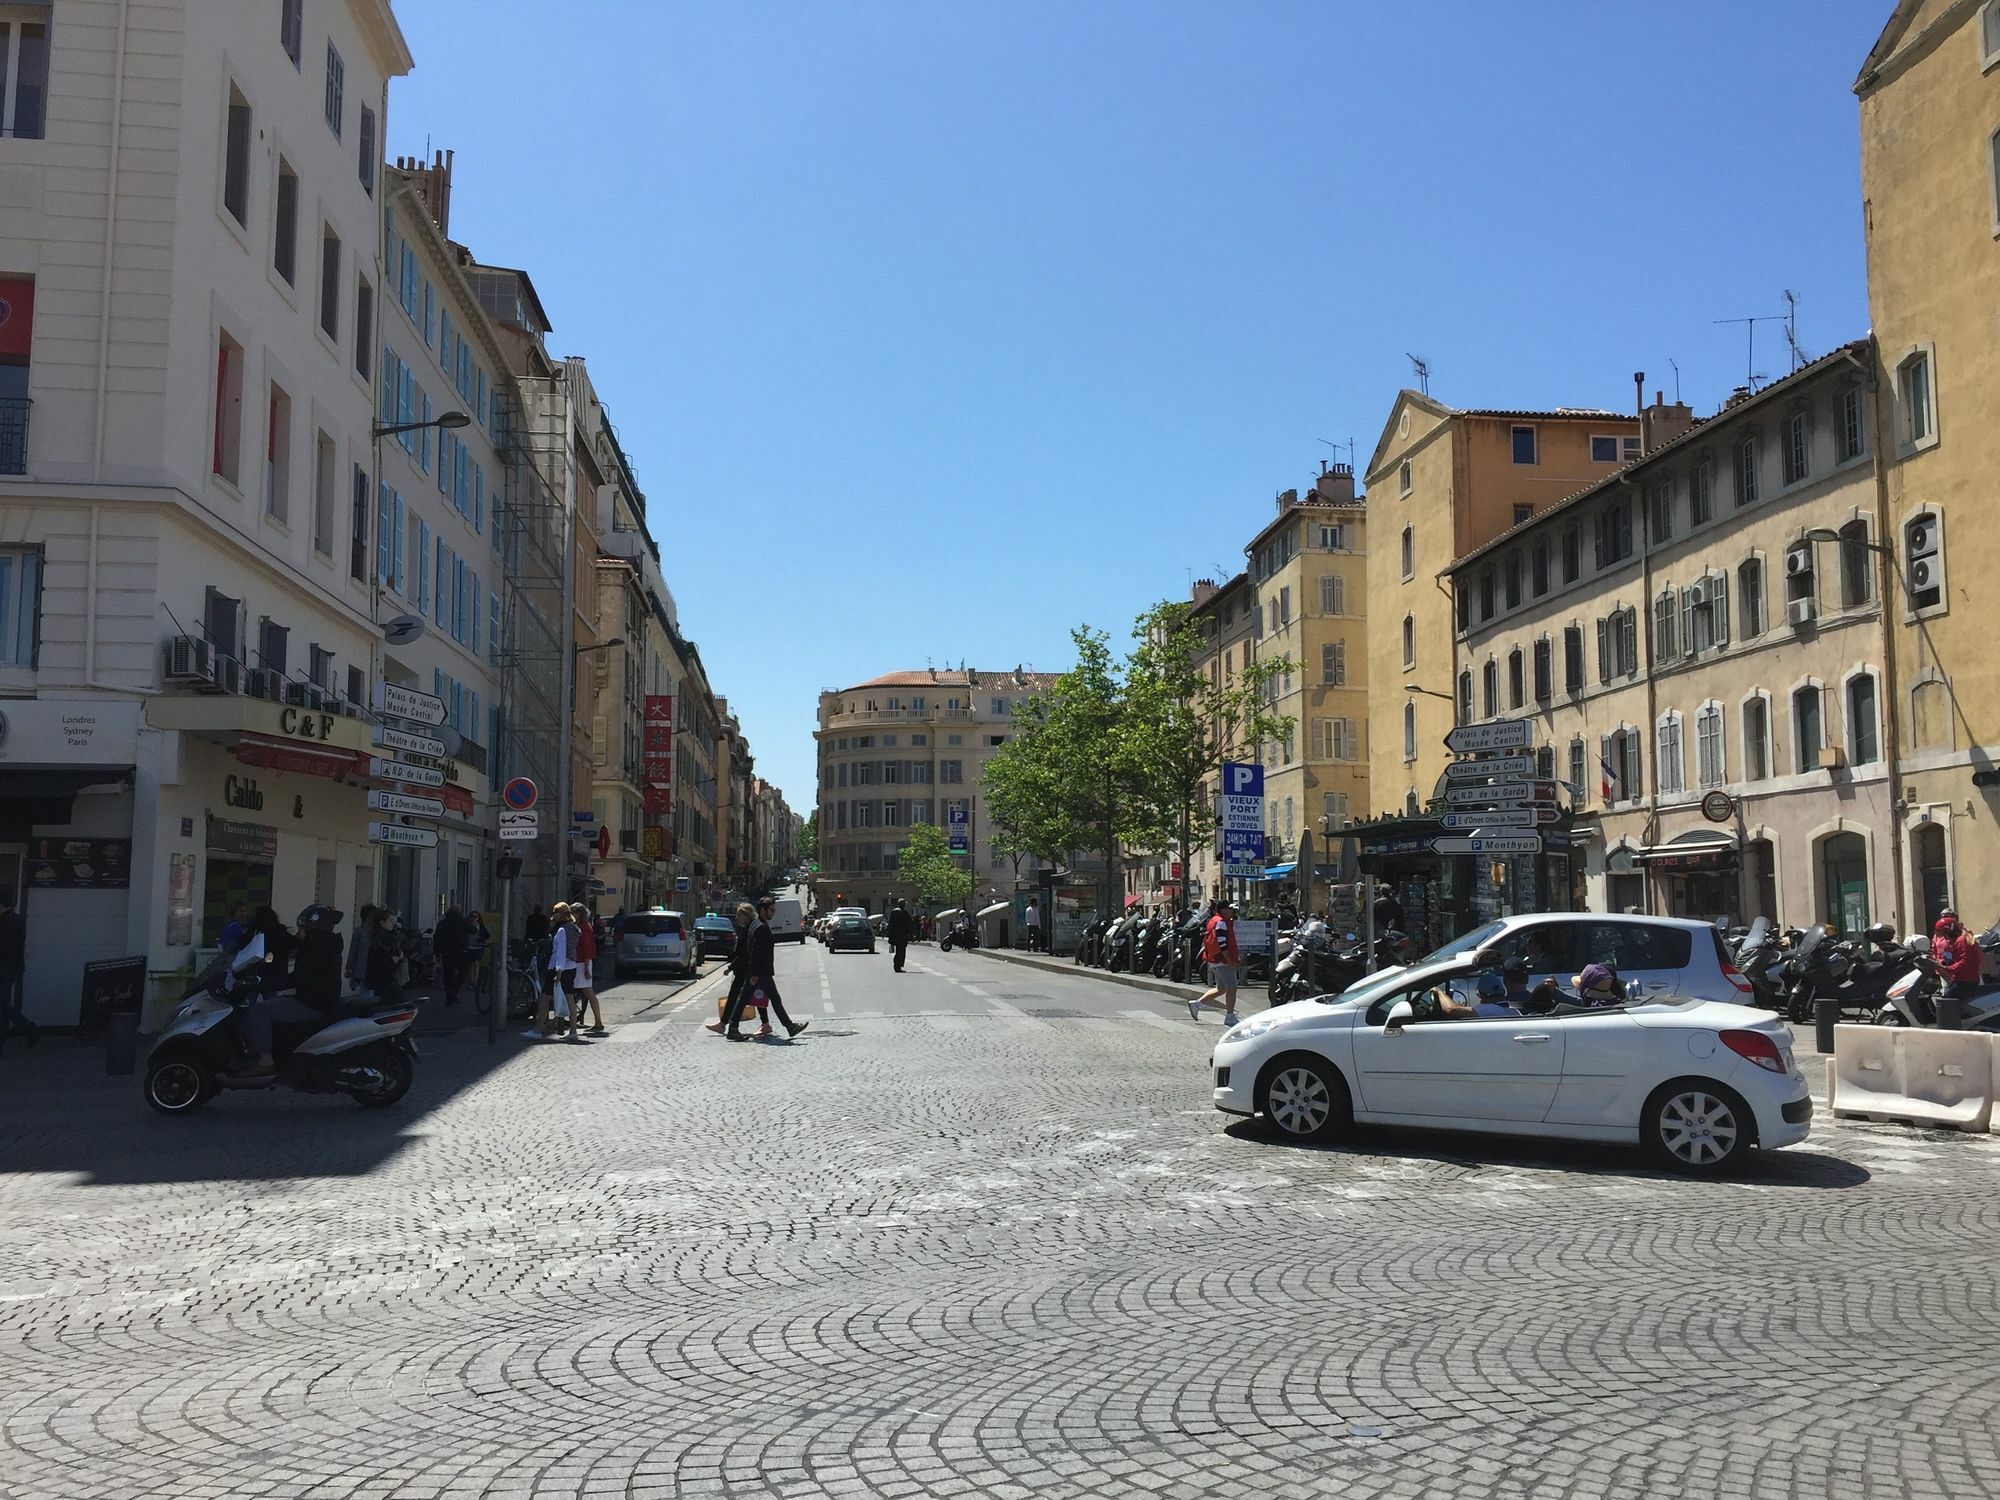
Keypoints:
pixel 520 793
pixel 406 802
pixel 518 824
pixel 1242 800
pixel 1242 853
pixel 1492 765
pixel 1499 843
pixel 1502 817
pixel 1498 734
pixel 402 834
pixel 388 737
pixel 407 703
pixel 957 820
pixel 396 770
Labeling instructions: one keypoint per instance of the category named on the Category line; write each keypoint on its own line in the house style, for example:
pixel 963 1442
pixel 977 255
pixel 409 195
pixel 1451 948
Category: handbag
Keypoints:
pixel 559 1000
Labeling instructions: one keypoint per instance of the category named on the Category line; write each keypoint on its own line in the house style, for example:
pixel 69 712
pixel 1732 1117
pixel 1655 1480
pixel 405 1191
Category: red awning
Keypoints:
pixel 330 761
pixel 1130 902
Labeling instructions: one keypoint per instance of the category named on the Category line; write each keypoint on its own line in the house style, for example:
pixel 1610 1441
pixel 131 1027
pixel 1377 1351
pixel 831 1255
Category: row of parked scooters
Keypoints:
pixel 1310 958
pixel 1163 943
pixel 1873 976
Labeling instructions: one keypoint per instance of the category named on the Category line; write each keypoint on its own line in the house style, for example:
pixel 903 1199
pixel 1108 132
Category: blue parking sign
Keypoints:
pixel 1242 779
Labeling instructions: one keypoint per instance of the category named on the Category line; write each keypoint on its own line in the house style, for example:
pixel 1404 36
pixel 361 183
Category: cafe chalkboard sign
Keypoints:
pixel 112 986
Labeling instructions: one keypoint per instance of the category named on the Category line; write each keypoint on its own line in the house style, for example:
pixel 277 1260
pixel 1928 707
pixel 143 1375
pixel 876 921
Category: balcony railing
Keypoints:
pixel 14 434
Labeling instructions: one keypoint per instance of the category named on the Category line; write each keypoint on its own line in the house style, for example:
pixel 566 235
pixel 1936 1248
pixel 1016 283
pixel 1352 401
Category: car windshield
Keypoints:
pixel 653 924
pixel 1479 937
pixel 1376 985
pixel 716 924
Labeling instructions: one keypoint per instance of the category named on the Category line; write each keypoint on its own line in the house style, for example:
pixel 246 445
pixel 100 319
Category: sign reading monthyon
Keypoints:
pixel 406 802
pixel 1499 843
pixel 402 834
pixel 388 737
pixel 1492 765
pixel 1499 734
pixel 396 770
pixel 407 703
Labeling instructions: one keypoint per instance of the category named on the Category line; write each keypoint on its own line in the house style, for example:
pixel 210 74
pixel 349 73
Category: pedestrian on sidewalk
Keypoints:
pixel 1218 949
pixel 586 973
pixel 13 965
pixel 899 933
pixel 356 971
pixel 1033 924
pixel 744 916
pixel 758 977
pixel 236 931
pixel 449 941
pixel 553 1001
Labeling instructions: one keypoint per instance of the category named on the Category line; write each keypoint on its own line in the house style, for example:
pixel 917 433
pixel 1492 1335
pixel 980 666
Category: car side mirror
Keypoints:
pixel 1399 1013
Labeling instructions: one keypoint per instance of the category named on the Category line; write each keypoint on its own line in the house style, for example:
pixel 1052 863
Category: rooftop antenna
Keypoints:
pixel 1422 368
pixel 1750 375
pixel 1799 356
pixel 1677 378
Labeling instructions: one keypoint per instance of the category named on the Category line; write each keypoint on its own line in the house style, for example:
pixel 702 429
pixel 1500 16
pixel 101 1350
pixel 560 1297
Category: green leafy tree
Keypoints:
pixel 809 837
pixel 1181 722
pixel 927 865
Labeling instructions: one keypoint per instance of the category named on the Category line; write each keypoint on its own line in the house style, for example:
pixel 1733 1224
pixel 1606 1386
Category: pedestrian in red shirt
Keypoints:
pixel 586 975
pixel 1219 951
pixel 1954 951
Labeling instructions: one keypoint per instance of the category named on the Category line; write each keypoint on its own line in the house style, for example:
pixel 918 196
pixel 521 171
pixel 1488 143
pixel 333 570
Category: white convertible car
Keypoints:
pixel 1700 1083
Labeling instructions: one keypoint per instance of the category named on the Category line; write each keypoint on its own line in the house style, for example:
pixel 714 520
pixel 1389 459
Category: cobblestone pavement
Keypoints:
pixel 976 1233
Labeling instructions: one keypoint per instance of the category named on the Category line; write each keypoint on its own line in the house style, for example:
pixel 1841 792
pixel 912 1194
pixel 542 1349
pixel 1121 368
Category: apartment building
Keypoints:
pixel 1441 482
pixel 1308 582
pixel 1699 642
pixel 187 394
pixel 904 749
pixel 1930 176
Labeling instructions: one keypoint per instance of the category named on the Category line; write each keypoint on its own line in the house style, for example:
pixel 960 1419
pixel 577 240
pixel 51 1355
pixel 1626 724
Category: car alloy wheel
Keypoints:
pixel 1697 1127
pixel 1305 1098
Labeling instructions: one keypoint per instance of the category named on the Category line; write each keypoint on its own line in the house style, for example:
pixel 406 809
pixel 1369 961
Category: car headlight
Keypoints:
pixel 1246 1031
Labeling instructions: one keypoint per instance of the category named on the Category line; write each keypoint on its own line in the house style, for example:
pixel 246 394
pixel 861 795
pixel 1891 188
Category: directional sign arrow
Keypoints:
pixel 387 737
pixel 1506 817
pixel 1492 765
pixel 1499 734
pixel 395 770
pixel 396 833
pixel 407 703
pixel 1499 843
pixel 405 802
pixel 1499 791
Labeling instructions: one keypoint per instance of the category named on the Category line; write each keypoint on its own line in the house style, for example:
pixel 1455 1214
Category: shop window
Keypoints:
pixel 20 606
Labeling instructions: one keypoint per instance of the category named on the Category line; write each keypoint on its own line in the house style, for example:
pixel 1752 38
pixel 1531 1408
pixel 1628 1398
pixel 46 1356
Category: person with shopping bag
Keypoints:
pixel 555 997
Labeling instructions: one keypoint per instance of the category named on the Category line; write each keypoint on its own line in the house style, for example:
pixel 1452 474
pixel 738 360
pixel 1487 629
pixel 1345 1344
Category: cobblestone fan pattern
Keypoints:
pixel 976 1233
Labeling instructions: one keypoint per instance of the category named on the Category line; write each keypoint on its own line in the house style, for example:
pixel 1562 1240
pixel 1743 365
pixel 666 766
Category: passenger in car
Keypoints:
pixel 1598 986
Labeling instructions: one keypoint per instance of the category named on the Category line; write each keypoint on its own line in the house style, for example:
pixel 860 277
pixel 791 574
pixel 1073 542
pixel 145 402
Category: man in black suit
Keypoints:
pixel 758 970
pixel 899 933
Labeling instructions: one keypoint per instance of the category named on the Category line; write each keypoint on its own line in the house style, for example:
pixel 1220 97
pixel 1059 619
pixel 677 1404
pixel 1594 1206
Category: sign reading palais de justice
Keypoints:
pixel 407 703
pixel 1498 734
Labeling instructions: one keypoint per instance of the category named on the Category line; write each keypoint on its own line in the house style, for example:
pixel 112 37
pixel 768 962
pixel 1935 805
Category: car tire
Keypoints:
pixel 1303 1096
pixel 1696 1126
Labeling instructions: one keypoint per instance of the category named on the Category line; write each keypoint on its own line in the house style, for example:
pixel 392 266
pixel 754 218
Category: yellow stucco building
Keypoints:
pixel 1930 172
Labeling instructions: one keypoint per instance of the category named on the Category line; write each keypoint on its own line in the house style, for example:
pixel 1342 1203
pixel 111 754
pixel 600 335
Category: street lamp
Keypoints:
pixel 1411 687
pixel 616 640
pixel 448 419
pixel 1828 534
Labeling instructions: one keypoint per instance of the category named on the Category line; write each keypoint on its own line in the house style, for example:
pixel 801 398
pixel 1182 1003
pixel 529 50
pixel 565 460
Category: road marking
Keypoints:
pixel 827 1006
pixel 1152 1018
pixel 636 1031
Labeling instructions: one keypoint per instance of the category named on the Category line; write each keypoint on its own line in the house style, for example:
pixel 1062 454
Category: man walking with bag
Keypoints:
pixel 899 933
pixel 1218 948
pixel 759 962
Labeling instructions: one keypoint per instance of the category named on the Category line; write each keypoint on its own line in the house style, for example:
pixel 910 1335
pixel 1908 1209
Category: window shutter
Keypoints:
pixel 1630 633
pixel 1603 760
pixel 1604 650
pixel 1718 608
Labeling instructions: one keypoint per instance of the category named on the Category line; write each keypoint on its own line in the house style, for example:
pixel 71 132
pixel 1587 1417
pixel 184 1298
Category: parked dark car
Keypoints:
pixel 715 935
pixel 851 933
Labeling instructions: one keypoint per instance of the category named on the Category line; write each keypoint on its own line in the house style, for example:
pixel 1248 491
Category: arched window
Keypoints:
pixel 1708 756
pixel 1465 696
pixel 1492 686
pixel 1864 740
pixel 1807 736
pixel 1516 673
pixel 1930 715
pixel 1750 597
pixel 1669 763
pixel 1409 641
pixel 1857 584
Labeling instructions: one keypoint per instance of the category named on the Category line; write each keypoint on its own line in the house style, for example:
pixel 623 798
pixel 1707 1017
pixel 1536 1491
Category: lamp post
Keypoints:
pixel 445 419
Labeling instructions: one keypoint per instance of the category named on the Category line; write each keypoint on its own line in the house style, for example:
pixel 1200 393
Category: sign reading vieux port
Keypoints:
pixel 1498 734
pixel 956 821
pixel 407 703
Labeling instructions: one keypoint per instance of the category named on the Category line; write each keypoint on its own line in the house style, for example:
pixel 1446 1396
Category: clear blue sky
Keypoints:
pixel 935 328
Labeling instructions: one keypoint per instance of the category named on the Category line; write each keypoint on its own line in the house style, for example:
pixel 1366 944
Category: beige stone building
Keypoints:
pixel 899 750
pixel 1442 482
pixel 1705 620
pixel 1930 175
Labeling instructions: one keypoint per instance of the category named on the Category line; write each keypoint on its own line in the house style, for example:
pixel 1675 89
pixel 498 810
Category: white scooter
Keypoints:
pixel 1913 999
pixel 365 1053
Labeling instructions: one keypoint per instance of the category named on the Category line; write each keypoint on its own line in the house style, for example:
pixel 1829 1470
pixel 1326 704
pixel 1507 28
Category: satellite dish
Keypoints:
pixel 404 629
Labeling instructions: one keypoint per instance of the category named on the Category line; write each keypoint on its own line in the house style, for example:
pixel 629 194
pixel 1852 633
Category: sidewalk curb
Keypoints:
pixel 1180 992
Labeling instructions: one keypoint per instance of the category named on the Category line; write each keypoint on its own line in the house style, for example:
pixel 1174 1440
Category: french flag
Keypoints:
pixel 1609 781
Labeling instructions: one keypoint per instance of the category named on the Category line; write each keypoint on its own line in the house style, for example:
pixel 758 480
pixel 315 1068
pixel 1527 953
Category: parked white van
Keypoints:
pixel 788 921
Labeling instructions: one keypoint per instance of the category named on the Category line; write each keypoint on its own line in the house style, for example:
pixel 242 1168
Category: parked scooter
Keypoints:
pixel 366 1054
pixel 1118 946
pixel 964 933
pixel 1091 943
pixel 1912 999
pixel 1186 961
pixel 1146 946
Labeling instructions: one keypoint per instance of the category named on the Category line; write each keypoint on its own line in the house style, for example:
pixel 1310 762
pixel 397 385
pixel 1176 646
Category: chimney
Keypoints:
pixel 1336 484
pixel 1204 590
pixel 1287 500
pixel 1660 424
pixel 433 186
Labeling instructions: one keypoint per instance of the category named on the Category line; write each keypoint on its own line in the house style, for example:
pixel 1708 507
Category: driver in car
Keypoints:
pixel 1491 1001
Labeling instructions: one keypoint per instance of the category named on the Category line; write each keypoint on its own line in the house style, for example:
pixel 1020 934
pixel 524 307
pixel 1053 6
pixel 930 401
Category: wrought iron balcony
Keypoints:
pixel 14 434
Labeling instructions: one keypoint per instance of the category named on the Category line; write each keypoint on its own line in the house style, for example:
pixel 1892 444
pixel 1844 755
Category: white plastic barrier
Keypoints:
pixel 1926 1077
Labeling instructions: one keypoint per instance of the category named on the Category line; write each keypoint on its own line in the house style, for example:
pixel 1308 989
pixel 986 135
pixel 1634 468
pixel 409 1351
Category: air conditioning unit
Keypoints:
pixel 263 682
pixel 1925 574
pixel 1831 759
pixel 229 675
pixel 297 694
pixel 190 659
pixel 1921 536
pixel 1799 561
pixel 1801 612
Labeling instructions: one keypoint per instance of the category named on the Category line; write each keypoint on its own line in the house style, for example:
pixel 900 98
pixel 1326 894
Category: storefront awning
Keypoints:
pixel 310 760
pixel 1698 850
pixel 1279 872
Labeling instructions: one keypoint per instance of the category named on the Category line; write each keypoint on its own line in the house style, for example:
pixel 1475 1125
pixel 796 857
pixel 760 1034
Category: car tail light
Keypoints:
pixel 1735 976
pixel 1756 1047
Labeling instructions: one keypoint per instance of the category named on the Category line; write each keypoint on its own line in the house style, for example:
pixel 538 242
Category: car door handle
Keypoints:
pixel 1530 1037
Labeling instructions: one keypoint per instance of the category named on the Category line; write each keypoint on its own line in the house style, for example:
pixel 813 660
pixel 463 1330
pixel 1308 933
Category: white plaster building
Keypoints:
pixel 190 258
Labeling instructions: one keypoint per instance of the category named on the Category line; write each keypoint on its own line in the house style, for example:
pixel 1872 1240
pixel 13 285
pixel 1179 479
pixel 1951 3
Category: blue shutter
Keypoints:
pixel 478 496
pixel 441 572
pixel 462 482
pixel 472 723
pixel 481 413
pixel 423 565
pixel 493 629
pixel 402 581
pixel 384 542
pixel 430 301
pixel 388 391
pixel 424 433
pixel 472 610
